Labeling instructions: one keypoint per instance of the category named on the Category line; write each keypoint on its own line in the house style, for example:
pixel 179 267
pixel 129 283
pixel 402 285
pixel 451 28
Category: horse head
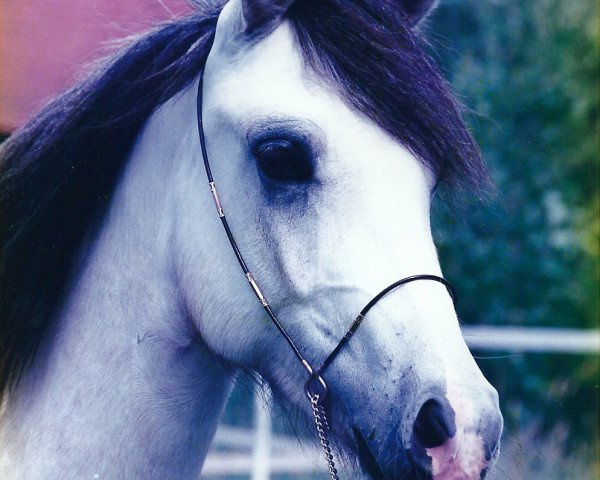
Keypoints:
pixel 328 193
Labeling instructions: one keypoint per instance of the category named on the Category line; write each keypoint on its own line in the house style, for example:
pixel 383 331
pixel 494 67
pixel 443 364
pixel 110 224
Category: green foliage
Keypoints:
pixel 530 255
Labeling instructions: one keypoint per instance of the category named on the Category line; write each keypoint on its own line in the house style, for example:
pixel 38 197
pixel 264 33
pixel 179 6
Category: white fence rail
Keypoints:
pixel 521 339
pixel 258 453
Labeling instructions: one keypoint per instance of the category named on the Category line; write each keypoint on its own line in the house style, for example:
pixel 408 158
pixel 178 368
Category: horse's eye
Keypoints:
pixel 284 160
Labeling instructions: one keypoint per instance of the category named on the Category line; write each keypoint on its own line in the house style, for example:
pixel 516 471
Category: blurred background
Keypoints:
pixel 527 72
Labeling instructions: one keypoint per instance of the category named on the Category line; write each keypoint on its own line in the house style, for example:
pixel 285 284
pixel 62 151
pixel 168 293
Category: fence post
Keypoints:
pixel 261 454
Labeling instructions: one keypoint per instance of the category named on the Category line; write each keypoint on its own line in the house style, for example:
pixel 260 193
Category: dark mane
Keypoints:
pixel 58 173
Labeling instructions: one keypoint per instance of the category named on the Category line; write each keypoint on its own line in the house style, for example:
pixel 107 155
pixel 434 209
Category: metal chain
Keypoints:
pixel 323 432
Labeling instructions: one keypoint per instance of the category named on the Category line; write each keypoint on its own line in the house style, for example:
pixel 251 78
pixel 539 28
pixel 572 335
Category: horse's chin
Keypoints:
pixel 372 470
pixel 366 459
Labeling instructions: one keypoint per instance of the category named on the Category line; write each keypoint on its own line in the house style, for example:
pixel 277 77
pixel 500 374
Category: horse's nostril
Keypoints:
pixel 434 424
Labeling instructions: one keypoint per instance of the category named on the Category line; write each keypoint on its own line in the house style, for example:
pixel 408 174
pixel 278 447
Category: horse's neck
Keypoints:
pixel 123 388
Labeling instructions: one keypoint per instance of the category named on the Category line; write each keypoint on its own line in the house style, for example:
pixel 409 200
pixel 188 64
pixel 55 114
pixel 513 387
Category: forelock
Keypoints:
pixel 368 50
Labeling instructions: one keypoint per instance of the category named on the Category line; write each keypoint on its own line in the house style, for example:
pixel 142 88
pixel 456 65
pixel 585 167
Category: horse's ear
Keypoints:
pixel 263 15
pixel 248 19
pixel 417 10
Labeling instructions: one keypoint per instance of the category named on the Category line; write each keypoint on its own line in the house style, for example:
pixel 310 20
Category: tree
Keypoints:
pixel 528 71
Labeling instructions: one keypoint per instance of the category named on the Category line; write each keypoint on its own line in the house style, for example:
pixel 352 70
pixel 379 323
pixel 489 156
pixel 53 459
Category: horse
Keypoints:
pixel 124 317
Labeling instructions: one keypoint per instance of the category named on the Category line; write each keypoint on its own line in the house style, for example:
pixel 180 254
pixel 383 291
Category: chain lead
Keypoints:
pixel 323 432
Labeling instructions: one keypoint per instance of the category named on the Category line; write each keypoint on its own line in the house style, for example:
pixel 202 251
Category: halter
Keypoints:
pixel 315 386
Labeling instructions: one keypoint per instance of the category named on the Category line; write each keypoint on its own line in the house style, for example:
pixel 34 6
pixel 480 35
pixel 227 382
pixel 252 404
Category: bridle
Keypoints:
pixel 315 386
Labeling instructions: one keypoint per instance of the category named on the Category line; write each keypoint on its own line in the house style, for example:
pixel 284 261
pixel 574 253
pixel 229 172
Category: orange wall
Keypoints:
pixel 45 44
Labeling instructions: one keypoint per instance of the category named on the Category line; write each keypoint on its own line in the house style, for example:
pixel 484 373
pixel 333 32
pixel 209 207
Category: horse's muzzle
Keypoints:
pixel 442 445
